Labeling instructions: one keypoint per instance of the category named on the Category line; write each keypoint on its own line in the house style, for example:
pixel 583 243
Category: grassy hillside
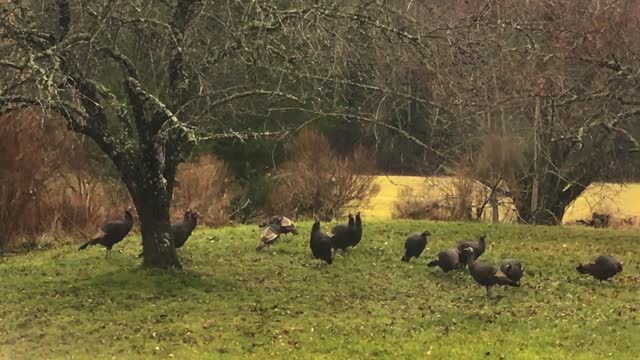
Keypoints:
pixel 619 200
pixel 232 302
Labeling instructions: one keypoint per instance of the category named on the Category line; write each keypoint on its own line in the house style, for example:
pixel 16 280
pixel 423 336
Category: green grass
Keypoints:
pixel 232 302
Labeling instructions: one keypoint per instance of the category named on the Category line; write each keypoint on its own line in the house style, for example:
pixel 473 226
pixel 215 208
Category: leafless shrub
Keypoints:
pixel 205 185
pixel 486 176
pixel 37 192
pixel 79 204
pixel 461 200
pixel 624 223
pixel 28 157
pixel 449 198
pixel 411 205
pixel 315 180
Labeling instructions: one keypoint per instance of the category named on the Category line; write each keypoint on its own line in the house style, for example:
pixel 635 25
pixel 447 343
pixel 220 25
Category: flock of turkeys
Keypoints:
pixel 324 246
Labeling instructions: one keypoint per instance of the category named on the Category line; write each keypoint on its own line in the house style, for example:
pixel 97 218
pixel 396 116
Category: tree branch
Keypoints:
pixel 252 93
pixel 243 135
pixel 161 107
pixel 125 64
pixel 358 85
pixel 609 125
pixel 365 119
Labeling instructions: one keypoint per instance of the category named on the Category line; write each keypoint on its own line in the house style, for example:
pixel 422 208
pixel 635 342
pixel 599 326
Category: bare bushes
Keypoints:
pixel 440 198
pixel 462 198
pixel 481 178
pixel 314 180
pixel 412 204
pixel 81 202
pixel 205 185
pixel 458 198
pixel 48 185
pixel 36 191
pixel 29 154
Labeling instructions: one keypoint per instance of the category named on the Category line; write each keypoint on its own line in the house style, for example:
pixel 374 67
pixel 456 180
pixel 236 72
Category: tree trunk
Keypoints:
pixel 536 171
pixel 557 196
pixel 151 193
pixel 153 204
pixel 495 210
pixel 157 242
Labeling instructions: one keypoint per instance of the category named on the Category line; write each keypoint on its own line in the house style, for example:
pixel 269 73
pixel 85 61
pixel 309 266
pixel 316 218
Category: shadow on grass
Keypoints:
pixel 167 282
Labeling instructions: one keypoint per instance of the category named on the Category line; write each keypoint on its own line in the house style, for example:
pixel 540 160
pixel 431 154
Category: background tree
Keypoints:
pixel 551 81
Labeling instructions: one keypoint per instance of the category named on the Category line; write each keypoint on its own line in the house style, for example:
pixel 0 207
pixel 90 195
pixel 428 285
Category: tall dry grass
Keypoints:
pixel 416 205
pixel 29 154
pixel 205 185
pixel 50 190
pixel 314 180
pixel 37 192
pixel 449 198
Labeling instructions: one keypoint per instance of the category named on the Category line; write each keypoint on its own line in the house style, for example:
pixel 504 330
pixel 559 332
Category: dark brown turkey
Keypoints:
pixel 603 268
pixel 415 245
pixel 478 249
pixel 113 232
pixel 181 231
pixel 486 275
pixel 447 260
pixel 320 243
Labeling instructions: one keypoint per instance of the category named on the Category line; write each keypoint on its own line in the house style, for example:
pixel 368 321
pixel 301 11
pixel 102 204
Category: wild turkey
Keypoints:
pixel 181 231
pixel 603 268
pixel 414 246
pixel 343 235
pixel 269 236
pixel 358 230
pixel 282 225
pixel 513 269
pixel 271 232
pixel 477 246
pixel 113 232
pixel 287 226
pixel 320 243
pixel 447 260
pixel 486 275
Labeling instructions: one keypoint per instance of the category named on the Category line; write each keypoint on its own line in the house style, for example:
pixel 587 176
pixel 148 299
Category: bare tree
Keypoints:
pixel 146 80
pixel 556 77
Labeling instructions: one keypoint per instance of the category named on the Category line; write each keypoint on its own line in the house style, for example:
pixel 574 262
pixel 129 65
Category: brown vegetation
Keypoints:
pixel 459 198
pixel 37 192
pixel 493 172
pixel 410 205
pixel 315 181
pixel 49 186
pixel 205 185
pixel 454 201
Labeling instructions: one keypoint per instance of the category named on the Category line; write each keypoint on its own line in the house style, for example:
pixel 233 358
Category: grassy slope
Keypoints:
pixel 623 201
pixel 235 303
